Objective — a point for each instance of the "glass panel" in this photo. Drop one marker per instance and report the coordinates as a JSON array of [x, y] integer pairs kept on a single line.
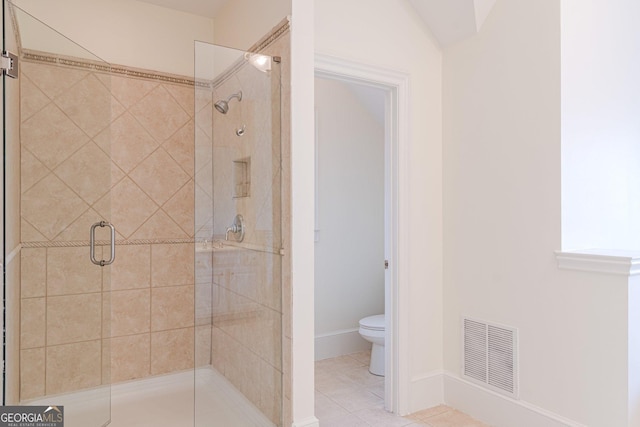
[[66, 167], [238, 238], [11, 218]]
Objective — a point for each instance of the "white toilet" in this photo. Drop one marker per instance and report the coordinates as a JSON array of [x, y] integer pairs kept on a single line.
[[372, 330]]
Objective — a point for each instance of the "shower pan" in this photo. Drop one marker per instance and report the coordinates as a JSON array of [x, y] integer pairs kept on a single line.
[[183, 324]]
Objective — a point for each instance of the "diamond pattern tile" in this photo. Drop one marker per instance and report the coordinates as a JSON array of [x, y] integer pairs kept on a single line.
[[130, 207], [32, 99], [29, 233], [87, 172], [32, 169], [159, 176], [129, 91], [204, 120], [159, 226], [181, 148], [52, 80], [84, 132], [180, 208], [159, 113], [88, 104], [130, 142], [203, 214], [183, 95], [203, 150], [51, 136], [79, 229], [50, 206]]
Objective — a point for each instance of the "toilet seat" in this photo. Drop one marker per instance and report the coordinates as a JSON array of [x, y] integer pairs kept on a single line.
[[373, 323]]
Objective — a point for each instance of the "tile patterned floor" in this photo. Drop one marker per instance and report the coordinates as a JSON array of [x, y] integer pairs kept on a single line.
[[347, 395]]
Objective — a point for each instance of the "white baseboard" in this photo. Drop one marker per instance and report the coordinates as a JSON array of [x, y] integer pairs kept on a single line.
[[339, 343], [426, 391], [496, 409], [309, 422]]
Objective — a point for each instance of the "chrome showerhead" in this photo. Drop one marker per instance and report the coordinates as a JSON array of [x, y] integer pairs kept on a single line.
[[223, 104]]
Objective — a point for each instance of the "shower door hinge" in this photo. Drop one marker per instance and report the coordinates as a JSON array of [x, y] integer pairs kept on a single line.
[[386, 264], [9, 64]]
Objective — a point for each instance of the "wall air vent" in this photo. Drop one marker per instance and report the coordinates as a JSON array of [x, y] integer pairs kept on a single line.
[[490, 356]]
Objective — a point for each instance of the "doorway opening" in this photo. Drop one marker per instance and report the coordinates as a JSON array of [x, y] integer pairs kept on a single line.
[[384, 93]]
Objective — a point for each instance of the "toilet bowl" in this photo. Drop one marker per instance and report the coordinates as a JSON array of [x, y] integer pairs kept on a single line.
[[372, 330]]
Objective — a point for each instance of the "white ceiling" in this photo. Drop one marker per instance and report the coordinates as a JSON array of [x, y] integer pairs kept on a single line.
[[448, 20], [453, 20], [207, 8]]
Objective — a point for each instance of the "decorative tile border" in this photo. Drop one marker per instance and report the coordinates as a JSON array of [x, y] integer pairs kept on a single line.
[[104, 67], [276, 32], [81, 243], [87, 64]]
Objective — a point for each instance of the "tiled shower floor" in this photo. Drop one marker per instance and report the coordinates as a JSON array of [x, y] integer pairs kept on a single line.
[[347, 395]]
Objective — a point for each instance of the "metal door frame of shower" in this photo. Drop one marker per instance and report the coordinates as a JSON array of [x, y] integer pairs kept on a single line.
[[2, 225], [396, 86], [11, 246]]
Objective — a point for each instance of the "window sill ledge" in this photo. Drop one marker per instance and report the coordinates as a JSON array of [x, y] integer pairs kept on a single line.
[[607, 261]]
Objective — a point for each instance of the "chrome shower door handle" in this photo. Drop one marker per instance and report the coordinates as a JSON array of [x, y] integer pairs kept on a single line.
[[92, 244]]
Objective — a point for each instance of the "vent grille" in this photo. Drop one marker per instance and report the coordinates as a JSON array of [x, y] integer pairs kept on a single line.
[[489, 356]]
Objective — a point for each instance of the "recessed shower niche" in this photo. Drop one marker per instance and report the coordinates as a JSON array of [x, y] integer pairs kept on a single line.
[[242, 178]]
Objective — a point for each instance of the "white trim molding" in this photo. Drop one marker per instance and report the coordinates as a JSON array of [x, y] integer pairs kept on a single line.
[[497, 409], [338, 343], [427, 391], [607, 261]]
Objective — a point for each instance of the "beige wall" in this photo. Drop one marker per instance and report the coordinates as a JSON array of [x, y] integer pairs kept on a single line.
[[124, 32], [241, 23]]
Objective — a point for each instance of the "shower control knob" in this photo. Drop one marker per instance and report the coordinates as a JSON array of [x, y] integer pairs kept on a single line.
[[237, 228]]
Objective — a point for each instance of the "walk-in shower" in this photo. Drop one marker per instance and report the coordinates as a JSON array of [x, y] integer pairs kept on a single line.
[[185, 327], [239, 225]]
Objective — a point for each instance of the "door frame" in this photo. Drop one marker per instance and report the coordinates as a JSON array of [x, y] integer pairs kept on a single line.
[[396, 86]]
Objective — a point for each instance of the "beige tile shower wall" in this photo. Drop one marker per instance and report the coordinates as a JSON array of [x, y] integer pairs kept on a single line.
[[246, 336], [250, 294], [78, 127]]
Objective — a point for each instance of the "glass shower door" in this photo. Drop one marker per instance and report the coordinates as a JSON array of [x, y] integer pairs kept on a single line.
[[238, 238], [58, 327]]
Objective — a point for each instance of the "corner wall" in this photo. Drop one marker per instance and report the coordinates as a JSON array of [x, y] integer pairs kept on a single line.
[[502, 210]]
